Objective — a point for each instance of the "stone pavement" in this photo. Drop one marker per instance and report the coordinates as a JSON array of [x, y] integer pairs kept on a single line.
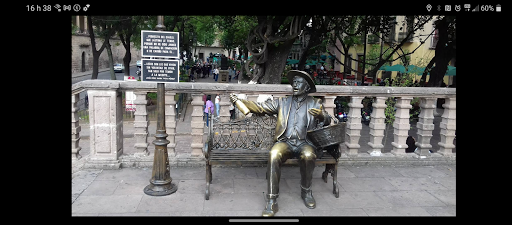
[[364, 191]]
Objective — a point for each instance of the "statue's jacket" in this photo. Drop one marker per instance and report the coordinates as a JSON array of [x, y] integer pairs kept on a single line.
[[282, 107]]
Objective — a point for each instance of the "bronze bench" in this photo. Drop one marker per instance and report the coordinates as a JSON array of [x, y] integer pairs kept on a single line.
[[247, 142]]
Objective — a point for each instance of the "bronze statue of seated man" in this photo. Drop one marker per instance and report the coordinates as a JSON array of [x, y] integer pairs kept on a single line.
[[296, 114]]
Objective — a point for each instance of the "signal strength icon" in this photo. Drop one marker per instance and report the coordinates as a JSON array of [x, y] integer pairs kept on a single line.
[[57, 6], [475, 9]]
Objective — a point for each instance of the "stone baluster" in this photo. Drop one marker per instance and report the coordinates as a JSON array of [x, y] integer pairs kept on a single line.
[[75, 128], [329, 105], [447, 126], [377, 126], [106, 132], [224, 108], [354, 126], [401, 125], [170, 122], [425, 126], [141, 124], [197, 125]]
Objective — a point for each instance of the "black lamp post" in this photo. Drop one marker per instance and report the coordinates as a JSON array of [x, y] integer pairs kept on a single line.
[[161, 181]]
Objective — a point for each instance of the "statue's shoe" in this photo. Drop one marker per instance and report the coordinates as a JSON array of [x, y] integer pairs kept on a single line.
[[307, 196], [271, 208]]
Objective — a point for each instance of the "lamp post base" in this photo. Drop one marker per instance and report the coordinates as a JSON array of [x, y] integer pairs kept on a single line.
[[160, 190]]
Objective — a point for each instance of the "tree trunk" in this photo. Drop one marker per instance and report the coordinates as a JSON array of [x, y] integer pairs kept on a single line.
[[443, 55], [96, 53], [313, 41], [95, 62], [110, 62], [276, 62], [427, 69], [127, 55], [126, 60]]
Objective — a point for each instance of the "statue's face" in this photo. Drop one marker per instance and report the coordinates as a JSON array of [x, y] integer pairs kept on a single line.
[[300, 85]]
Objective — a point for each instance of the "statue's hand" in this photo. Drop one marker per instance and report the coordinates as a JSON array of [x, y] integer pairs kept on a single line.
[[317, 113], [233, 97]]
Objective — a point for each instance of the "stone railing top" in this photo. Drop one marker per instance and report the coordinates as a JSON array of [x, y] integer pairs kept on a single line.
[[277, 89]]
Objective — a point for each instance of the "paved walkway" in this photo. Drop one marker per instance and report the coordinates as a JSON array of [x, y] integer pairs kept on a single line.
[[364, 191]]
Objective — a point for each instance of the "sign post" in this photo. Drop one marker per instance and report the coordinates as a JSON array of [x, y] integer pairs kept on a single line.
[[160, 44]]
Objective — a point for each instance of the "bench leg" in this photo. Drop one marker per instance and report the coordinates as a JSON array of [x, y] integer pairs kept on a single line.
[[208, 181], [335, 189], [328, 169]]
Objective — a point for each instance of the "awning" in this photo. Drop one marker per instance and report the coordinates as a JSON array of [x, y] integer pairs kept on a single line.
[[291, 61], [313, 62], [451, 71], [397, 67]]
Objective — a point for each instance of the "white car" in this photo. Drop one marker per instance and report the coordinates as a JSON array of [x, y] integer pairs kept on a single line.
[[139, 63], [118, 67]]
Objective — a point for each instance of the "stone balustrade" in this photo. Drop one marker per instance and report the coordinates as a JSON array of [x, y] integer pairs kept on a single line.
[[106, 125]]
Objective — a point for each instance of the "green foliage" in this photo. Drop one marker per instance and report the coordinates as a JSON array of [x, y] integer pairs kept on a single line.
[[404, 80], [204, 29], [233, 30], [152, 95]]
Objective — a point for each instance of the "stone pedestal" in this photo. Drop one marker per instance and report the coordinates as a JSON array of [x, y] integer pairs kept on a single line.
[[170, 122], [223, 76], [401, 125], [197, 125], [75, 129], [425, 126], [141, 124], [447, 128], [377, 126], [354, 125], [106, 132]]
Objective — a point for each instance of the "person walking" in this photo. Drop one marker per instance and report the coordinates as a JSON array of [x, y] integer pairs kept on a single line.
[[205, 71], [230, 71], [209, 69], [209, 108], [217, 105], [216, 74]]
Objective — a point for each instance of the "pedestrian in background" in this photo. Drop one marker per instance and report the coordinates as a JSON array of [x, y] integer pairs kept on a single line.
[[216, 74], [217, 105], [209, 108], [230, 71], [209, 69]]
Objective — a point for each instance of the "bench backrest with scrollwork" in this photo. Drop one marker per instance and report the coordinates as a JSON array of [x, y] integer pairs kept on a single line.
[[254, 133]]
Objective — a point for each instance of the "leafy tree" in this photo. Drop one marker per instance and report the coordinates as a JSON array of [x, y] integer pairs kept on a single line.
[[444, 51], [128, 26], [103, 29], [270, 43], [233, 31], [318, 31], [381, 27]]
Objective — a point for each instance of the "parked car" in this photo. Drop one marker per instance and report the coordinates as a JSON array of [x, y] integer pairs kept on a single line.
[[139, 63], [118, 67]]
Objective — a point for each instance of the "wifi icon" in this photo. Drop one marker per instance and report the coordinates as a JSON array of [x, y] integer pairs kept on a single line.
[[57, 6]]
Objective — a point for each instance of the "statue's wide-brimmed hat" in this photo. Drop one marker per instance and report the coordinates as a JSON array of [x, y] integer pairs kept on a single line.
[[292, 73]]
